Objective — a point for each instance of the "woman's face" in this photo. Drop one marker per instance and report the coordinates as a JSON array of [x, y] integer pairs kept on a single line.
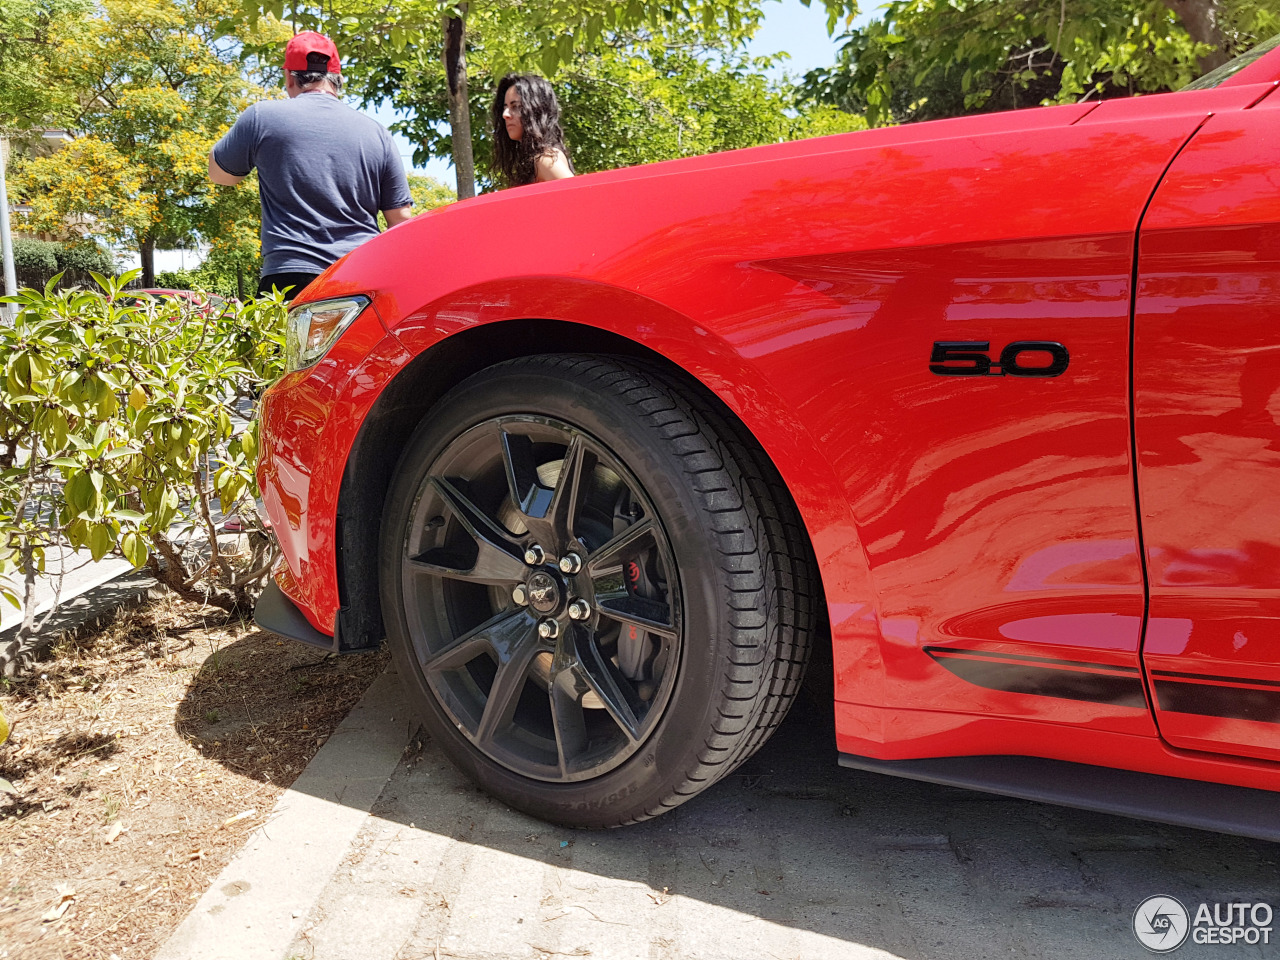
[[511, 113]]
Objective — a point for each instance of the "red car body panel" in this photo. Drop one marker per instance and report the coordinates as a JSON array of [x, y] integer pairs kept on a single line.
[[1207, 391], [979, 539]]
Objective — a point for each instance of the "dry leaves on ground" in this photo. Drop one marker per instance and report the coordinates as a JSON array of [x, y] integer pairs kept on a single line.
[[143, 754]]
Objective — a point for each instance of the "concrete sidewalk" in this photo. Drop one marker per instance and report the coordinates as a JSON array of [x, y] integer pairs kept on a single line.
[[383, 853], [80, 578], [81, 590], [76, 589]]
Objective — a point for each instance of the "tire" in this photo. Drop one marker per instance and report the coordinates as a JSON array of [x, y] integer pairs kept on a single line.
[[696, 587]]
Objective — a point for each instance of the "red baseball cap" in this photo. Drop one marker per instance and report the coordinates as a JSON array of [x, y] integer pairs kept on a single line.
[[312, 51]]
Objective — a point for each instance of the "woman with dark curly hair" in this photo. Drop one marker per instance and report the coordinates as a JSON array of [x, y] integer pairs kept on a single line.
[[528, 144]]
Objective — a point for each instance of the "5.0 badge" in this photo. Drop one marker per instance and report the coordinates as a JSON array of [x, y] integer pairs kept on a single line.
[[968, 358]]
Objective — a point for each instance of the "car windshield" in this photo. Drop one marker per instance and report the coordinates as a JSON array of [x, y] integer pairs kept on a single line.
[[1219, 74]]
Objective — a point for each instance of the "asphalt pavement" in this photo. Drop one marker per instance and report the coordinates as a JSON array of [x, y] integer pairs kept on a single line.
[[383, 851]]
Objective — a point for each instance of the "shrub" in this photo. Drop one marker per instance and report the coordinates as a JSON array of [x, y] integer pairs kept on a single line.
[[120, 426], [36, 262], [179, 280], [211, 276], [78, 262]]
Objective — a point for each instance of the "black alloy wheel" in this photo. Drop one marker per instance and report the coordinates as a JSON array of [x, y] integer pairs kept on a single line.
[[542, 601], [596, 608]]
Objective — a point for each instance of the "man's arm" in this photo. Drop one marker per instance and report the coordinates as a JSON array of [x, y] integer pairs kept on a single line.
[[398, 216], [235, 151], [218, 175]]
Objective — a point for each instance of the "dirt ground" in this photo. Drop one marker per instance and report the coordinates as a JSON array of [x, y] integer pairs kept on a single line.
[[143, 753]]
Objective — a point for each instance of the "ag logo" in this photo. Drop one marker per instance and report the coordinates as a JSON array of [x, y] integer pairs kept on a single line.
[[1161, 924]]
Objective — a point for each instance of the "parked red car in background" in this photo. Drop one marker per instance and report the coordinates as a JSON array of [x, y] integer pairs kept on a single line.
[[205, 303], [987, 406]]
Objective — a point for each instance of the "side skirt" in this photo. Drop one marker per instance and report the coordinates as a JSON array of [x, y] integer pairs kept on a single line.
[[1217, 807]]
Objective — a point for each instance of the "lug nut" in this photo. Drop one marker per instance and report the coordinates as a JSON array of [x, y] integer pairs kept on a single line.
[[519, 594], [548, 629], [533, 555], [570, 563], [579, 610]]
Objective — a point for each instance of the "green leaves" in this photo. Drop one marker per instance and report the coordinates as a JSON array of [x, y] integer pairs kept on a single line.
[[925, 59], [129, 421], [101, 540], [134, 548], [83, 496]]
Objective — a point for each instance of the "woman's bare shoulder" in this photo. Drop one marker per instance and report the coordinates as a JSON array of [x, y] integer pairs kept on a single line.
[[553, 165]]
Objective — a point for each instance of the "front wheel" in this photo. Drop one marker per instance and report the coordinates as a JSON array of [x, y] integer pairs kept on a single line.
[[599, 598]]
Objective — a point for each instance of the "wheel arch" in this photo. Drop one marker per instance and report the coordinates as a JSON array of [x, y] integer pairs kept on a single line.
[[408, 397]]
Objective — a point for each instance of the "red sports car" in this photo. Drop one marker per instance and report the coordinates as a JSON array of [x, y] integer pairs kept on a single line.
[[981, 414]]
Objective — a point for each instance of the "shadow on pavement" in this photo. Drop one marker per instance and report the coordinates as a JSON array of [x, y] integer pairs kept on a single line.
[[791, 856], [262, 706], [860, 860]]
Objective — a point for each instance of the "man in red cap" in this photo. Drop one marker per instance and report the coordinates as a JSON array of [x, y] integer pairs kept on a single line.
[[324, 170]]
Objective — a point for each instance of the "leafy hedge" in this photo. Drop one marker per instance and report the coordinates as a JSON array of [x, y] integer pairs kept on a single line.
[[122, 424], [211, 277], [36, 262]]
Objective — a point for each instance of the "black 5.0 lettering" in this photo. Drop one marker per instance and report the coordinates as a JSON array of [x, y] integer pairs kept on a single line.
[[968, 358]]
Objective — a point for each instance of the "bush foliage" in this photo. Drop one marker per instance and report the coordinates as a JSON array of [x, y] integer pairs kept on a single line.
[[215, 275], [122, 424], [36, 262]]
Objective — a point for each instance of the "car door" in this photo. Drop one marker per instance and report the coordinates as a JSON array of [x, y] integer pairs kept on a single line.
[[1207, 427]]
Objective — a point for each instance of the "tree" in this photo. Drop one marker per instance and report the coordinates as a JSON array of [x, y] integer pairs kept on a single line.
[[428, 193], [156, 87], [415, 35], [36, 39], [925, 59], [636, 96], [653, 100], [231, 221]]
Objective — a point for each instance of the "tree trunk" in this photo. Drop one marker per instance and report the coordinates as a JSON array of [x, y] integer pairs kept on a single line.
[[455, 69], [1200, 19], [147, 253]]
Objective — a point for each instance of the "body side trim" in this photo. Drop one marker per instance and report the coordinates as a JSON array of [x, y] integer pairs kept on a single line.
[[1241, 811]]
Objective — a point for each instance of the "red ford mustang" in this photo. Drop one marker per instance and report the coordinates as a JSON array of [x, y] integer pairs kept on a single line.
[[982, 413]]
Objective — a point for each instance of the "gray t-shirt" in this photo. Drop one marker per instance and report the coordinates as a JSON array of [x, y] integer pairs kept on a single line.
[[324, 172]]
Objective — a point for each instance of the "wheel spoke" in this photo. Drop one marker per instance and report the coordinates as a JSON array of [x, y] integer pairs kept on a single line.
[[599, 675], [628, 543], [529, 496], [569, 719], [498, 557], [462, 650], [549, 513], [651, 615], [567, 497], [515, 642]]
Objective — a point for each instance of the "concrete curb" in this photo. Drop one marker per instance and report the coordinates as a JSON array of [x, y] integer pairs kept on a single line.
[[258, 904], [84, 603], [90, 591]]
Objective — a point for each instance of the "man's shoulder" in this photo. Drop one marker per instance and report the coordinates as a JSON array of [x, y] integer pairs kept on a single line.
[[316, 108], [316, 102]]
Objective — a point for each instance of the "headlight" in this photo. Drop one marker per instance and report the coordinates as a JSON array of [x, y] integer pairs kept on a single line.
[[313, 327]]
